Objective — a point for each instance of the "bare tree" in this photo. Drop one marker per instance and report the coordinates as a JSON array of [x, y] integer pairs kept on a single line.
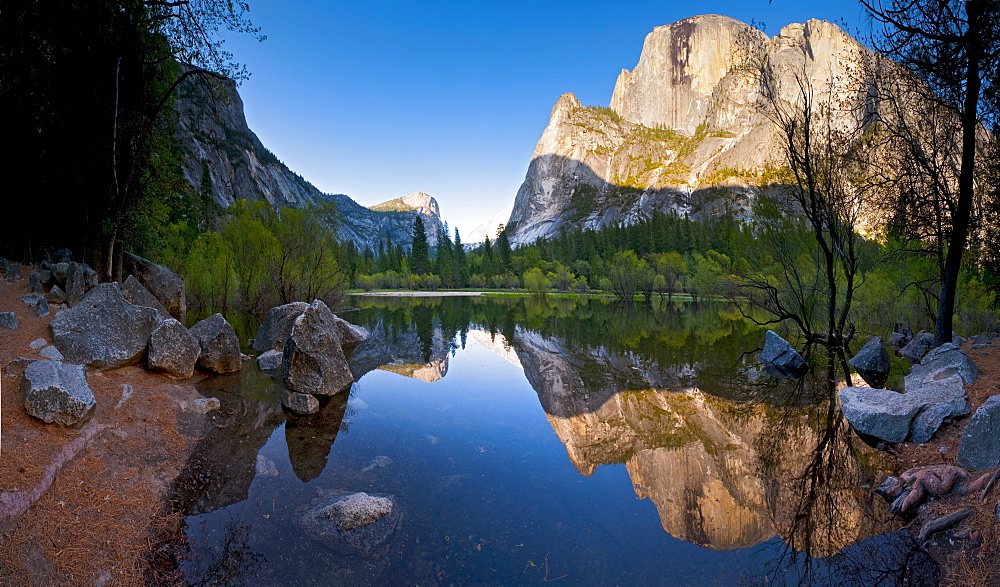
[[953, 47]]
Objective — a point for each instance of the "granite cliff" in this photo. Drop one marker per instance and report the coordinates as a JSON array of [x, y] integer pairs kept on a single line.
[[684, 132], [212, 128]]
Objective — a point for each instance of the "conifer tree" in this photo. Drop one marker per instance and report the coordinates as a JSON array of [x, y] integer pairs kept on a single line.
[[419, 251]]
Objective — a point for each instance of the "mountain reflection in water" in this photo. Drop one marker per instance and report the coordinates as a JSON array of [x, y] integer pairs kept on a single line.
[[730, 458]]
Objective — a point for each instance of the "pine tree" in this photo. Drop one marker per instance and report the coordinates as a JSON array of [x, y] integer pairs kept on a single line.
[[419, 252]]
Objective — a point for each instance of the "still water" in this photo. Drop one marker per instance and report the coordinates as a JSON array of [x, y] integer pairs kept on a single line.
[[537, 441]]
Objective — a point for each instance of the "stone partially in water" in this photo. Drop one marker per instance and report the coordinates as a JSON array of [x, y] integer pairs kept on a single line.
[[872, 362], [300, 403], [353, 523], [781, 356], [265, 467]]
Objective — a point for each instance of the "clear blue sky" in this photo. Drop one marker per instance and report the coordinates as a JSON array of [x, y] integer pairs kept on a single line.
[[376, 99]]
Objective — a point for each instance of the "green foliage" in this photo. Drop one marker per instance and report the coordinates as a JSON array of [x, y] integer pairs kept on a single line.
[[536, 282]]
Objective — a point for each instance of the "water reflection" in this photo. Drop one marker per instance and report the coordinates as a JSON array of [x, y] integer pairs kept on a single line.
[[730, 459]]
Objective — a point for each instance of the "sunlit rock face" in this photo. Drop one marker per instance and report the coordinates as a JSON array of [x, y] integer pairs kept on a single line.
[[722, 475], [685, 132], [212, 127]]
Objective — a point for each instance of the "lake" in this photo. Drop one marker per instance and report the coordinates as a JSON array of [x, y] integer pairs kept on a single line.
[[531, 440]]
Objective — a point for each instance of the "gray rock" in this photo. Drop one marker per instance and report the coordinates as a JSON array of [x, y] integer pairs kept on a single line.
[[13, 270], [35, 284], [60, 271], [126, 394], [135, 293], [8, 320], [354, 523], [273, 331], [31, 299], [41, 308], [103, 330], [270, 361], [779, 354], [51, 352], [202, 405], [38, 343], [917, 347], [56, 295], [881, 413], [57, 393], [163, 283], [314, 360], [980, 445], [942, 361], [173, 350], [18, 365], [44, 275], [80, 278], [351, 335], [872, 362], [220, 349], [300, 403], [915, 415]]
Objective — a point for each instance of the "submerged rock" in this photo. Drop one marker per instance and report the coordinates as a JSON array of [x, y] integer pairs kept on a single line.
[[55, 392], [300, 403], [353, 523]]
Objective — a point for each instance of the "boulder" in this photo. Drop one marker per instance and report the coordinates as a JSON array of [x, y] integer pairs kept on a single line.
[[353, 523], [104, 330], [270, 361], [8, 320], [80, 279], [314, 360], [57, 393], [163, 283], [941, 362], [13, 270], [980, 445], [56, 295], [915, 415], [59, 273], [220, 349], [872, 362], [31, 299], [300, 403], [882, 413], [351, 335], [35, 284], [781, 356], [173, 350], [917, 347], [41, 308], [273, 331], [135, 293]]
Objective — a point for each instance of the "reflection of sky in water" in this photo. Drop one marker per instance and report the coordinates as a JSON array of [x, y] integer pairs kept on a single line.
[[487, 494], [484, 486]]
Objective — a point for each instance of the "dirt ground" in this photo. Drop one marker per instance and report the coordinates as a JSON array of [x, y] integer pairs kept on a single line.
[[971, 554], [104, 515]]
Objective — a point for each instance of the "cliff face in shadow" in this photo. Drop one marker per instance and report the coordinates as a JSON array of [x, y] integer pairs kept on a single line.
[[212, 128], [722, 474]]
